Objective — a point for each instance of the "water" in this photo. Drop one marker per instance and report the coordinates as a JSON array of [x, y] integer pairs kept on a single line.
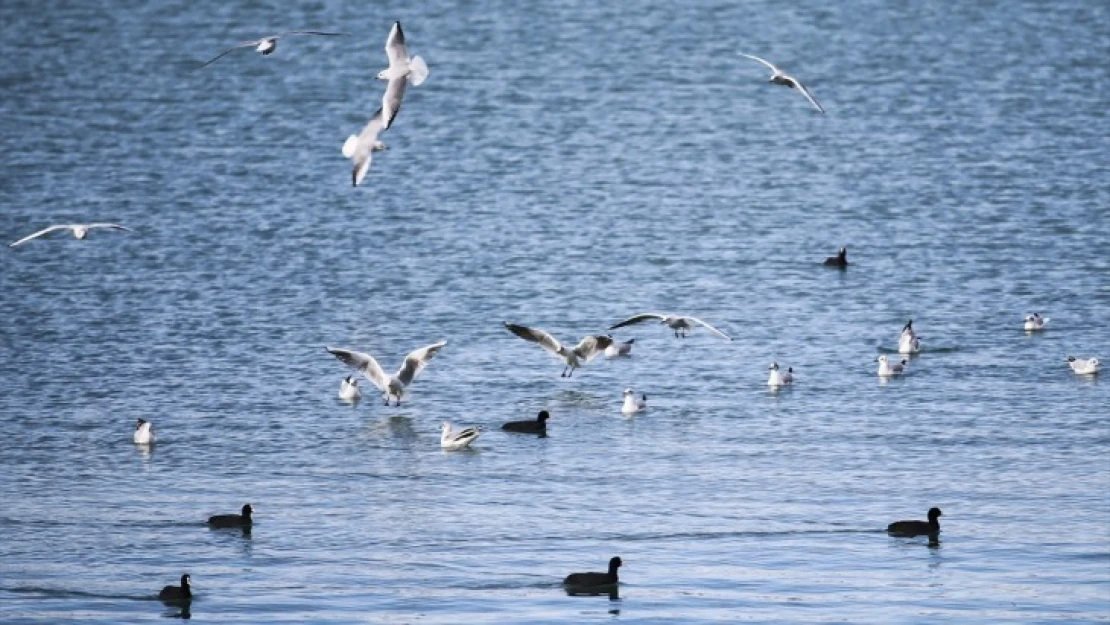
[[566, 165]]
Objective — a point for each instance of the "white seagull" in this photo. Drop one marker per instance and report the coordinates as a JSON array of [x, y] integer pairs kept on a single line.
[[632, 404], [886, 369], [358, 147], [453, 439], [391, 386], [779, 78], [144, 432], [1035, 322], [777, 379], [266, 45], [678, 323], [584, 352], [402, 69], [909, 342], [1083, 366], [80, 231], [349, 390], [619, 350]]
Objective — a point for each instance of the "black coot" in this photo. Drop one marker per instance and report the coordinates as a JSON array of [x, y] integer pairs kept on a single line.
[[233, 520], [532, 426]]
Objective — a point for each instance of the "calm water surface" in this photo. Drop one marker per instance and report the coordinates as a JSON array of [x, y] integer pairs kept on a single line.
[[567, 164]]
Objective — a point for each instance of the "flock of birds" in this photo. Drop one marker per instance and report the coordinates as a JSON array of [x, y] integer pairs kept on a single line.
[[404, 70]]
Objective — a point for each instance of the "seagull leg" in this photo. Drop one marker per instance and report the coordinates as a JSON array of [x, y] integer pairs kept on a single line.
[[564, 373]]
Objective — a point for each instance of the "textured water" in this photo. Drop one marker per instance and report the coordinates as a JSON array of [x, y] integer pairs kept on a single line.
[[566, 164]]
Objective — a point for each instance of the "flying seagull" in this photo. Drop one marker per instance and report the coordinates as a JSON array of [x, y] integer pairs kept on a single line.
[[267, 45], [581, 354], [358, 147], [779, 78], [678, 323], [402, 69], [391, 386], [80, 231]]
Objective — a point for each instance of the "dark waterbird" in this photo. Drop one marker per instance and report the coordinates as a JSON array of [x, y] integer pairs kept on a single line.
[[593, 581], [909, 529], [233, 520], [840, 260], [177, 594], [531, 426]]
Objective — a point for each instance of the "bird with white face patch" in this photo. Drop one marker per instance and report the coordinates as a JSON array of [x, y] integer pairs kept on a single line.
[[80, 231], [392, 386], [1083, 366], [777, 378], [266, 45], [588, 348], [633, 404], [1035, 322], [402, 70], [349, 390], [887, 369], [144, 432]]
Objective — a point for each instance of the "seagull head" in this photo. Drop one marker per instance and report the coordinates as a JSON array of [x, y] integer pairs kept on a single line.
[[627, 391], [383, 75], [774, 366]]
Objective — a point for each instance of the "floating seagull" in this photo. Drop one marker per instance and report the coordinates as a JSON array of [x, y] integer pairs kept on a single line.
[[402, 69], [390, 385], [886, 369], [909, 529], [677, 323], [777, 379], [779, 78], [267, 45], [1083, 366], [584, 352], [359, 147], [80, 231], [349, 390], [619, 350], [909, 342], [632, 405], [144, 432], [452, 439], [840, 260], [1035, 322]]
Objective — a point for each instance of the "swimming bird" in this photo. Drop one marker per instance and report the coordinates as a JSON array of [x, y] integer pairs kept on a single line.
[[233, 520], [583, 353], [779, 78], [680, 324], [619, 350], [359, 147], [886, 369], [80, 231], [1083, 366], [144, 432], [531, 426], [266, 45], [452, 439], [909, 342], [1035, 322], [779, 379], [402, 69], [909, 529], [840, 260], [349, 390], [177, 594], [391, 386], [595, 580], [632, 404]]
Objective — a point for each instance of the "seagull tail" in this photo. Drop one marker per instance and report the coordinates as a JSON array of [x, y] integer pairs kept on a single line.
[[418, 71], [350, 145]]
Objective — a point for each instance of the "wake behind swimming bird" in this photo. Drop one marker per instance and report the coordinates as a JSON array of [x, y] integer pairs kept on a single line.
[[359, 147], [80, 231], [402, 70], [586, 350], [680, 324], [392, 386], [266, 45], [780, 78]]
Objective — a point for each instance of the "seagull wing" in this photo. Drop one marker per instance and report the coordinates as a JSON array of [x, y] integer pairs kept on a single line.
[[109, 226], [637, 319], [395, 46], [544, 339], [364, 364], [40, 233], [391, 100], [245, 44], [591, 346], [711, 328], [765, 62], [416, 361], [802, 88]]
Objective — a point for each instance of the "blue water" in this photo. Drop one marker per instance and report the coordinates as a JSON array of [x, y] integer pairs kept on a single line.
[[567, 164]]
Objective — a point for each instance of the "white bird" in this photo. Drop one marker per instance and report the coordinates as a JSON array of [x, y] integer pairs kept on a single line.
[[266, 45], [144, 432], [584, 352], [1035, 322], [777, 379], [402, 69], [779, 78], [618, 350], [886, 369], [391, 386], [678, 323], [633, 404], [349, 390], [909, 342], [80, 231], [1083, 366], [452, 439], [358, 147]]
